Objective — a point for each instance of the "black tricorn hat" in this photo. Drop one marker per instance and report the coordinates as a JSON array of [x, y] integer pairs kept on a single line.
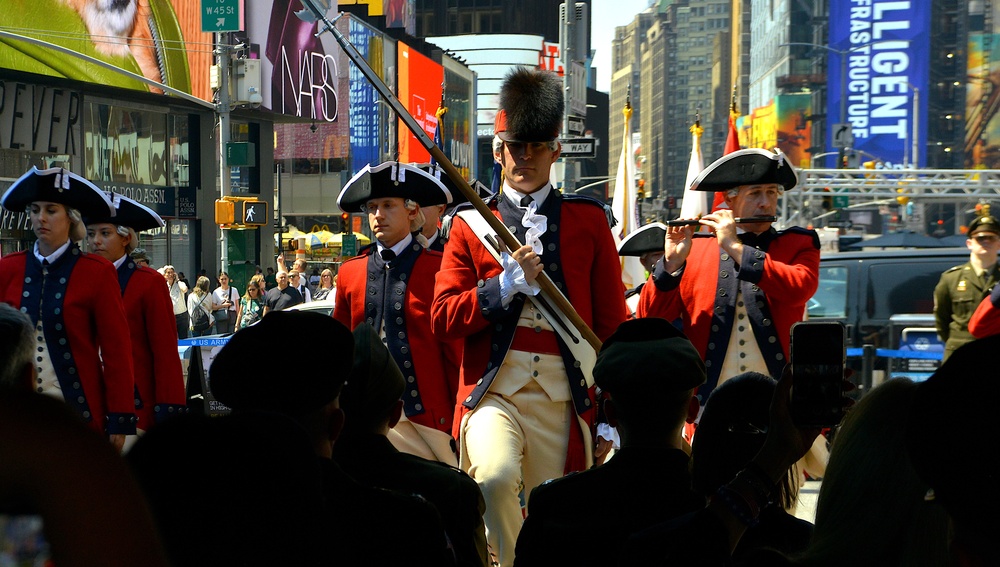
[[57, 185], [438, 173], [647, 238], [393, 179], [128, 213], [752, 166], [243, 377], [531, 106]]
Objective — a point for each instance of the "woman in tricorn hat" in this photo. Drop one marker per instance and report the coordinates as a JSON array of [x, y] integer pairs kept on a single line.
[[159, 380], [83, 350]]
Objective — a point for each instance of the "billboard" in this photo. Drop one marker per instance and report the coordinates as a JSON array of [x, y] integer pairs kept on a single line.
[[419, 91], [459, 122], [159, 41], [365, 116], [883, 49], [982, 124]]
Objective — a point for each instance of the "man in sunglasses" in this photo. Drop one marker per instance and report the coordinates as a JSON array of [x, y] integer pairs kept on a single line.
[[962, 288]]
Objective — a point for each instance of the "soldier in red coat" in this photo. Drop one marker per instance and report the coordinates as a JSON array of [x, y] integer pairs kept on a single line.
[[525, 401], [391, 288], [84, 354], [737, 290], [159, 380]]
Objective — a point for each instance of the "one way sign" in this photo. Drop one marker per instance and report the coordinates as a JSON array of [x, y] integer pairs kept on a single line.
[[579, 148]]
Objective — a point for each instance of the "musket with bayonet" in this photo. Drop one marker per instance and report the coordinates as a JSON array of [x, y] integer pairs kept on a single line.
[[509, 240]]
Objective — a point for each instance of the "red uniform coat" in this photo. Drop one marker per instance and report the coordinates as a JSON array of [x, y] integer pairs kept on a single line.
[[985, 321], [429, 364], [782, 275], [159, 380], [86, 333], [467, 294]]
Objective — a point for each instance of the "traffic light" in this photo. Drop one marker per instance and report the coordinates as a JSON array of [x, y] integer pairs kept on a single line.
[[827, 200], [345, 223], [640, 192]]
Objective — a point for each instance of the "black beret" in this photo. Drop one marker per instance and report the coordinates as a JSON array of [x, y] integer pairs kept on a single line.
[[986, 223], [531, 106], [392, 179], [752, 166], [57, 185], [647, 238], [375, 382], [952, 428], [128, 213], [647, 357], [248, 375]]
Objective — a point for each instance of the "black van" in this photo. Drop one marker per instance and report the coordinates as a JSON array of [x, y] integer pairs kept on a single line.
[[864, 290], [885, 298]]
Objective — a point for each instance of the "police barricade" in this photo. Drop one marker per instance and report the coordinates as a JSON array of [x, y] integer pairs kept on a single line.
[[198, 354], [904, 362]]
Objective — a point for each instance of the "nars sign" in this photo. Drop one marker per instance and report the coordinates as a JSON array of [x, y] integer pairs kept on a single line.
[[36, 118]]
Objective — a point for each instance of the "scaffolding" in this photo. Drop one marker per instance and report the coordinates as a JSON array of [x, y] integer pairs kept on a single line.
[[872, 187]]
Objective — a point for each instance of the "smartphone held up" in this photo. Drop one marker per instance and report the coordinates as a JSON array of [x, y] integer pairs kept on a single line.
[[818, 358]]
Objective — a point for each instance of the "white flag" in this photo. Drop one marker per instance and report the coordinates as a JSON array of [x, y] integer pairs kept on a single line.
[[695, 202], [623, 206]]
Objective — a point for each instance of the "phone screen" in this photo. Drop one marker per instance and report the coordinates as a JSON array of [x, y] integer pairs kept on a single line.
[[818, 358]]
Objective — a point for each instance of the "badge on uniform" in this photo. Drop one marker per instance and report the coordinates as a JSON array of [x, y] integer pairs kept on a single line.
[[961, 285]]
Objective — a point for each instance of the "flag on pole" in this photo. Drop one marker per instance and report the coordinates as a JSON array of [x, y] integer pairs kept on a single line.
[[732, 144], [624, 207], [438, 135], [695, 202]]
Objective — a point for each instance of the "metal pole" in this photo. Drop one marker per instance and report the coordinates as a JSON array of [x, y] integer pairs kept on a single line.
[[843, 100], [916, 127], [224, 130], [508, 239], [569, 172]]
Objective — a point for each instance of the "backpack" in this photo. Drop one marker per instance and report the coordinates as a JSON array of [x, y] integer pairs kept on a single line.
[[200, 320]]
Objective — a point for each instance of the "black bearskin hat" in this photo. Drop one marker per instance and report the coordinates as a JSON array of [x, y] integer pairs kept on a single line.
[[531, 106]]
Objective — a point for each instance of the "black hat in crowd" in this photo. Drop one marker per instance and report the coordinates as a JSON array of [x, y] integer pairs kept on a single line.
[[752, 166], [951, 431], [438, 173], [57, 185], [375, 382], [393, 179], [644, 358], [647, 238], [985, 223], [128, 213], [531, 106], [247, 376]]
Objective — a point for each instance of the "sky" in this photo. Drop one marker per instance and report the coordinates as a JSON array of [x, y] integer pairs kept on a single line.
[[605, 16]]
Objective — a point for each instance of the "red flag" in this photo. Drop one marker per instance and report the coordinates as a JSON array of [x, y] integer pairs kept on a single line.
[[732, 144]]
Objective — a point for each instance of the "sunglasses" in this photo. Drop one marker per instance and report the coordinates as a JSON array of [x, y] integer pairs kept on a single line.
[[986, 238], [253, 289]]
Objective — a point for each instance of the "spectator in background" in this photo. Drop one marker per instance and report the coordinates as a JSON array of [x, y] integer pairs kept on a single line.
[[225, 298], [962, 288], [281, 297], [178, 292], [141, 257], [314, 278], [271, 279], [297, 280], [251, 307], [326, 286], [184, 280], [730, 432], [200, 300]]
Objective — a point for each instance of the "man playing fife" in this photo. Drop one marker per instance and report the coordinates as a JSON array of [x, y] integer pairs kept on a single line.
[[739, 288], [523, 395], [391, 289]]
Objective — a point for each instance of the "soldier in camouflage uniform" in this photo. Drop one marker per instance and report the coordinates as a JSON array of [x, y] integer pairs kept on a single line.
[[962, 288]]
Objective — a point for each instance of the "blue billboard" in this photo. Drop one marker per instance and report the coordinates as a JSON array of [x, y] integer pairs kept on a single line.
[[880, 51], [364, 114]]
